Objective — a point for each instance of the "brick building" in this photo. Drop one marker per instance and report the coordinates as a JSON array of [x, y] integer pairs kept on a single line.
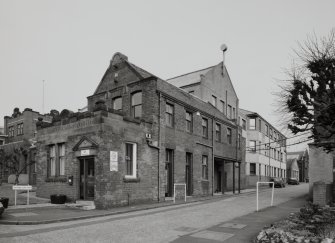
[[302, 158], [2, 136], [265, 149], [18, 129], [139, 137]]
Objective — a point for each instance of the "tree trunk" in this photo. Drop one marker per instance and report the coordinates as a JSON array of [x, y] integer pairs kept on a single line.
[[17, 179]]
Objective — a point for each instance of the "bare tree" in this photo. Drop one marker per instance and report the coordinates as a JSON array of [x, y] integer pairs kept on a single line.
[[308, 96]]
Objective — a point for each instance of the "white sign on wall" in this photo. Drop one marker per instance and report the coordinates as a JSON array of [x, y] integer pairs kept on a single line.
[[84, 152], [113, 161]]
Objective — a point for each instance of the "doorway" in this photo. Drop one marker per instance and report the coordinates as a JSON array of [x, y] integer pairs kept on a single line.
[[169, 173], [87, 178]]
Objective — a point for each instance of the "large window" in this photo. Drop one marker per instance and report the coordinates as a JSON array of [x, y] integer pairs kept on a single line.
[[218, 132], [252, 169], [131, 160], [57, 160], [117, 103], [229, 135], [252, 146], [169, 113], [204, 127], [189, 122], [252, 123], [20, 129], [205, 167], [136, 104]]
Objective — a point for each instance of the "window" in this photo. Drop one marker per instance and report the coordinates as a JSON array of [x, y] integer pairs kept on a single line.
[[244, 124], [205, 167], [239, 141], [252, 169], [222, 107], [234, 113], [229, 135], [20, 129], [57, 160], [11, 131], [281, 157], [61, 154], [131, 160], [218, 132], [214, 100], [271, 133], [260, 125], [229, 112], [252, 123], [136, 104], [53, 160], [252, 146], [117, 103], [204, 127], [189, 122], [169, 114], [266, 130]]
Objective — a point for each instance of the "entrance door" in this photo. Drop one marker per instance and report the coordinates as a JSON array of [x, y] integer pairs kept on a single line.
[[219, 182], [169, 173], [188, 174], [87, 178]]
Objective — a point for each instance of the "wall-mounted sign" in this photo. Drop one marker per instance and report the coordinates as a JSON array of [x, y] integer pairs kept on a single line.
[[113, 161], [84, 152]]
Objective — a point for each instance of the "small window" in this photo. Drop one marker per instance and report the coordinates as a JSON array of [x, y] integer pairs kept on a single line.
[[266, 130], [229, 135], [223, 107], [20, 129], [234, 113], [11, 131], [205, 167], [131, 160], [214, 101], [189, 122], [117, 103], [136, 104], [218, 132], [169, 113], [252, 123], [252, 169], [204, 127], [260, 125], [239, 141], [229, 112], [271, 132], [252, 146]]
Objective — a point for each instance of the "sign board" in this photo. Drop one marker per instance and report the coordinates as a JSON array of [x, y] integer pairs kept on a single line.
[[84, 152], [113, 161], [28, 187]]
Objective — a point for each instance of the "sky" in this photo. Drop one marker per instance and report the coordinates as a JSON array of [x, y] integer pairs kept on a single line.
[[69, 44]]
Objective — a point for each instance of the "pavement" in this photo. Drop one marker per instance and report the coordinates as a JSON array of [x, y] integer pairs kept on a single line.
[[241, 229]]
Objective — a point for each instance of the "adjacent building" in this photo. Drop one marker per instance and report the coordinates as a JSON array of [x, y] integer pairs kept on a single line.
[[20, 128], [2, 136], [265, 148], [139, 138], [302, 158]]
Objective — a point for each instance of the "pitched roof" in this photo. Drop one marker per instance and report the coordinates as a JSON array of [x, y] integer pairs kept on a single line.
[[188, 78]]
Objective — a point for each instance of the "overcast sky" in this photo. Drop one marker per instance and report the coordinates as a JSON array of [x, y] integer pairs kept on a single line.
[[69, 45]]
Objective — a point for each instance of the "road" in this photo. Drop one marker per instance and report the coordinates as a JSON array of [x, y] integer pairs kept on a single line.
[[155, 225]]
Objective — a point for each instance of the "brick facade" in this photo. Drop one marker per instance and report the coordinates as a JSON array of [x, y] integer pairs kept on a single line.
[[111, 129]]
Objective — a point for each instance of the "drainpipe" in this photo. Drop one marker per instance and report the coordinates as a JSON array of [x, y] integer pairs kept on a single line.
[[213, 156]]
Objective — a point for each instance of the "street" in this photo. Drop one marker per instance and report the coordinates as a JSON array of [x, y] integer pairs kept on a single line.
[[155, 225]]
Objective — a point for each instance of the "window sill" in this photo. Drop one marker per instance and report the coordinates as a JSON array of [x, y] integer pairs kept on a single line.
[[56, 179], [131, 119], [131, 179]]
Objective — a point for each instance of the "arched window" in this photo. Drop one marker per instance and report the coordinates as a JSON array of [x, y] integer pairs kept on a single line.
[[136, 104], [117, 103]]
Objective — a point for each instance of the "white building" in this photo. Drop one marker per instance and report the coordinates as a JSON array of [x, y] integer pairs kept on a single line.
[[265, 148]]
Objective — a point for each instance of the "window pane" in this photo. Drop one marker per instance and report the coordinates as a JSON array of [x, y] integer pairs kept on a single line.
[[62, 166], [129, 159], [52, 166], [136, 98], [137, 111], [252, 123]]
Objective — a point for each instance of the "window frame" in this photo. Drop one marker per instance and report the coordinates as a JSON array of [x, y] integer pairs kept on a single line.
[[218, 132], [252, 148], [56, 160], [252, 172], [169, 117], [189, 122], [133, 161], [134, 107], [204, 124], [229, 135], [250, 126], [113, 102]]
